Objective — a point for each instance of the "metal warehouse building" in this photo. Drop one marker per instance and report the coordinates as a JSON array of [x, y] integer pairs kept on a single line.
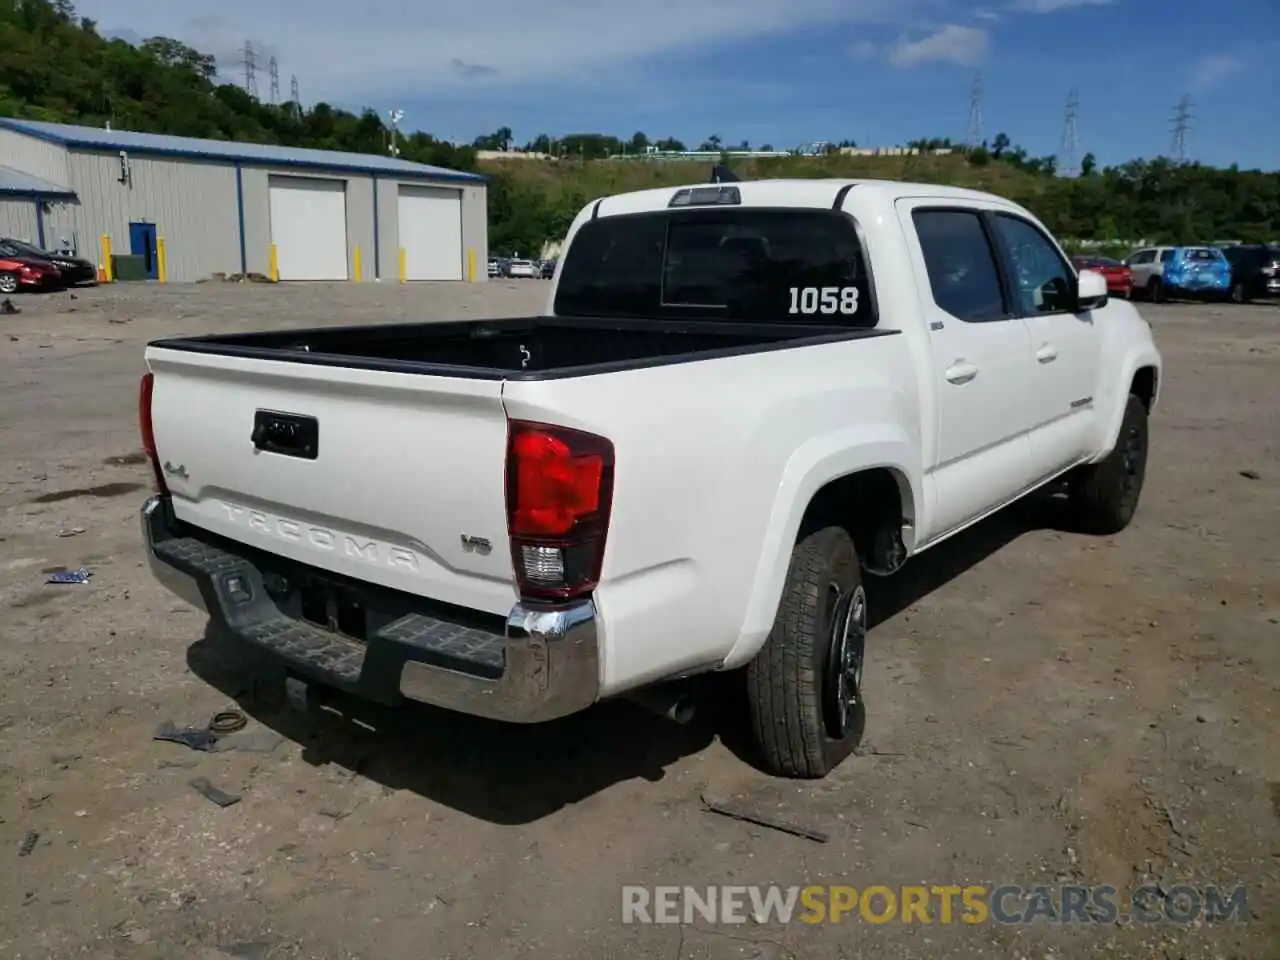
[[192, 208]]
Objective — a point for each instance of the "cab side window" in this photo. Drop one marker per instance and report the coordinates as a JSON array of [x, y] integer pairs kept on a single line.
[[1041, 278], [961, 264], [1166, 256]]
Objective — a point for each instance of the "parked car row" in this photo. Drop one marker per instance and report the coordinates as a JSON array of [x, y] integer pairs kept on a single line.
[[1237, 272], [517, 268], [27, 267]]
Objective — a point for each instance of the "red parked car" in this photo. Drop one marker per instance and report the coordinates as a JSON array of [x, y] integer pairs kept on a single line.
[[1119, 277], [18, 273]]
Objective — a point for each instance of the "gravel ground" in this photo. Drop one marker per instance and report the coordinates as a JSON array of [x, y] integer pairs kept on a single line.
[[1045, 708]]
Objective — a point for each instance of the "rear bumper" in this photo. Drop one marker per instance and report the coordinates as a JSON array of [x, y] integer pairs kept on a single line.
[[44, 282], [1210, 289], [543, 663]]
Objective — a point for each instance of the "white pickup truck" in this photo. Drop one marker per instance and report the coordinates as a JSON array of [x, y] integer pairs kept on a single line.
[[743, 400]]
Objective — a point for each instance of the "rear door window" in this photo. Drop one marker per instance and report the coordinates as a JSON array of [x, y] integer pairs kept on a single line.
[[961, 264], [744, 265]]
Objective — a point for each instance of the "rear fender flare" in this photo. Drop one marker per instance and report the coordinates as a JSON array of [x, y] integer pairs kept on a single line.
[[811, 467]]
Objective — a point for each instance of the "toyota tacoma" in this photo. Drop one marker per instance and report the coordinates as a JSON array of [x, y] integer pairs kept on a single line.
[[742, 404]]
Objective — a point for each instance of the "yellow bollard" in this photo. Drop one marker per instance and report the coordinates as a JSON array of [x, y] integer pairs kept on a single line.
[[404, 270], [162, 268], [471, 264], [273, 260], [357, 266], [106, 259]]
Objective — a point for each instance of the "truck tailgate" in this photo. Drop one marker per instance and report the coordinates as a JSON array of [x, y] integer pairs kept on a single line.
[[403, 485]]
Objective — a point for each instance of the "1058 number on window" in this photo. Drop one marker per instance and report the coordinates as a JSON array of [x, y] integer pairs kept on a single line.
[[825, 300]]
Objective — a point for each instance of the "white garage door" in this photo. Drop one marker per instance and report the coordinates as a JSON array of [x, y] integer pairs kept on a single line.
[[431, 233], [309, 228]]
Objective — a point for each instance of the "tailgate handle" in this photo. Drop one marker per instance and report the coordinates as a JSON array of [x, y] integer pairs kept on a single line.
[[287, 434]]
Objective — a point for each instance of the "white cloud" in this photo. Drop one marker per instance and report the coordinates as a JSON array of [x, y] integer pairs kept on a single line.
[[384, 48], [966, 46], [1209, 71], [986, 13], [863, 50], [1053, 6]]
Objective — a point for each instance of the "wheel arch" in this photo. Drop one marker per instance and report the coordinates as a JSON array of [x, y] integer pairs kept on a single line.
[[1142, 379], [849, 485]]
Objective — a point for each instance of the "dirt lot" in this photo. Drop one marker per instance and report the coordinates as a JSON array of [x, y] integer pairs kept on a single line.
[[1045, 708]]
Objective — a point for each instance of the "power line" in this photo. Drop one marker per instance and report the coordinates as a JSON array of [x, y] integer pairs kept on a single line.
[[1181, 127], [274, 67], [973, 136], [250, 70], [1069, 156]]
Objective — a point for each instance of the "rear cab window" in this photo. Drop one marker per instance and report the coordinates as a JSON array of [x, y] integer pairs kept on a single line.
[[753, 265], [1202, 255]]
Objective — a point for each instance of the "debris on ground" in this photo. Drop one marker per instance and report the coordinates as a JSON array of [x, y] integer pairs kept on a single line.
[[249, 277], [338, 813], [70, 532], [126, 459], [202, 786], [80, 575], [197, 738], [28, 843], [222, 723], [1251, 474], [748, 816], [227, 721], [7, 308]]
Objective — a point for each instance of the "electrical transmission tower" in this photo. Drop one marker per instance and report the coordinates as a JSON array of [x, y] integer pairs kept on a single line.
[[294, 96], [1069, 156], [1181, 127], [274, 68], [973, 136], [250, 69]]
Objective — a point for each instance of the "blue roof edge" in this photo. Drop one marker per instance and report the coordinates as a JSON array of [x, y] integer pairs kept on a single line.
[[16, 183], [427, 172]]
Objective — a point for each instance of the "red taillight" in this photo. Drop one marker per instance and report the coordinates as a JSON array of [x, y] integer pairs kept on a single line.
[[559, 492], [145, 391]]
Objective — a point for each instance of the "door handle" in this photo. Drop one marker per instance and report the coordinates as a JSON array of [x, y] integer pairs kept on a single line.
[[961, 372], [1047, 354]]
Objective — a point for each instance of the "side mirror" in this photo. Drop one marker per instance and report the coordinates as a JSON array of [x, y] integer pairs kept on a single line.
[[1091, 290]]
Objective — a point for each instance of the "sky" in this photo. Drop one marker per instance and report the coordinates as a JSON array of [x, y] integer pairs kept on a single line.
[[781, 72]]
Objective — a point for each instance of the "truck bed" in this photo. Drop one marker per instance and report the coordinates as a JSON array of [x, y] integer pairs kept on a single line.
[[522, 348]]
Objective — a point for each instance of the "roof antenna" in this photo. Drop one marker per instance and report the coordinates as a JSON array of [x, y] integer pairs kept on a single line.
[[722, 174]]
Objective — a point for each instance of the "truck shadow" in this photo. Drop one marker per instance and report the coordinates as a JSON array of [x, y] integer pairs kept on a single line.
[[514, 774], [503, 773]]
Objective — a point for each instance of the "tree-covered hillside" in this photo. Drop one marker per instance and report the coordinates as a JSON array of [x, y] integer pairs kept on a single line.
[[56, 66]]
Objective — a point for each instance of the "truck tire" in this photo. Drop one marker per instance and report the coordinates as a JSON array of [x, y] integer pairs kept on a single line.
[[1155, 290], [1105, 495], [804, 687]]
